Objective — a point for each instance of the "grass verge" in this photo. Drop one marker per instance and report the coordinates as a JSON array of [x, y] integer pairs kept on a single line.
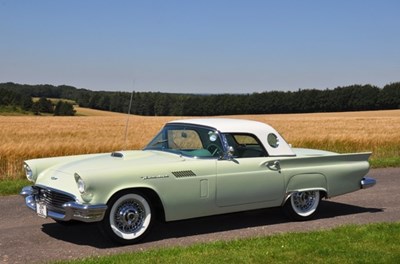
[[9, 187], [385, 162], [372, 243]]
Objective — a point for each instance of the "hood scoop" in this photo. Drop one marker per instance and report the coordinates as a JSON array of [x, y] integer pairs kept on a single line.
[[117, 155]]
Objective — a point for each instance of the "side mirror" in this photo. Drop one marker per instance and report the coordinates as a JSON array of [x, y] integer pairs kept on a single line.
[[230, 153]]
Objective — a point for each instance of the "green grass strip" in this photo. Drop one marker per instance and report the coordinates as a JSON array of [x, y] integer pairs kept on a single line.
[[385, 162], [10, 187], [373, 243]]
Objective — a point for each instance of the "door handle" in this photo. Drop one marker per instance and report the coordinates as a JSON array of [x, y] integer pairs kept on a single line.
[[274, 165]]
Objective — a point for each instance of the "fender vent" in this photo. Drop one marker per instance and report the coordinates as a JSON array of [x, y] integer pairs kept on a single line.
[[181, 174]]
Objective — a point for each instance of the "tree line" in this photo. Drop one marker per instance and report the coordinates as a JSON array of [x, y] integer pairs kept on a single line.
[[347, 98], [20, 100]]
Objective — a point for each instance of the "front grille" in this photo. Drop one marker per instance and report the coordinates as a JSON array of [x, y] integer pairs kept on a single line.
[[53, 199]]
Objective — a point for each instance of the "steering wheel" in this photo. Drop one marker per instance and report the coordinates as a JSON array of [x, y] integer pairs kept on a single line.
[[214, 149]]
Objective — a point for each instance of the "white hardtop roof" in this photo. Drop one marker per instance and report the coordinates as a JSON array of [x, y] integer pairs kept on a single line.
[[226, 125], [230, 125]]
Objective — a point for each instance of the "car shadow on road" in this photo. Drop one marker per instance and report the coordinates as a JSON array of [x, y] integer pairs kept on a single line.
[[88, 234]]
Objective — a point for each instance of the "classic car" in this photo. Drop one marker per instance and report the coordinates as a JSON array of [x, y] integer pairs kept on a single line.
[[192, 168]]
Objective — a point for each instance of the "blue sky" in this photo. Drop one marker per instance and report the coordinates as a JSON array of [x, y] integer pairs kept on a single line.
[[201, 46]]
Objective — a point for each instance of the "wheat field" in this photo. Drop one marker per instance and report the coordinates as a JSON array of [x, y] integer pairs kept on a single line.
[[27, 137]]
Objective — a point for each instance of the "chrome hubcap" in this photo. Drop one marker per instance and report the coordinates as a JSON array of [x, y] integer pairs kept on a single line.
[[129, 216], [304, 201]]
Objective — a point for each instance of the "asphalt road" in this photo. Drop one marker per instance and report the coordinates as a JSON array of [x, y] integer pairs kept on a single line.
[[27, 238]]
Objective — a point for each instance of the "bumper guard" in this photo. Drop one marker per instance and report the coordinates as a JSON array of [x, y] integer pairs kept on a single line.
[[73, 210], [367, 182]]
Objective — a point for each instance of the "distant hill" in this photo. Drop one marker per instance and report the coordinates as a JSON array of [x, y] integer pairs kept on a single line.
[[340, 99]]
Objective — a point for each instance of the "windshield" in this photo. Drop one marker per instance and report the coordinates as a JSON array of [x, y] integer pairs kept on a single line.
[[188, 140]]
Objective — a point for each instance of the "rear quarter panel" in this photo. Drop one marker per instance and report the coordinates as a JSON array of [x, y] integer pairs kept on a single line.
[[337, 173]]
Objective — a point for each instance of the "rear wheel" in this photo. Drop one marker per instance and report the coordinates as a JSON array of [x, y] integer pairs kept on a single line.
[[128, 218], [302, 205]]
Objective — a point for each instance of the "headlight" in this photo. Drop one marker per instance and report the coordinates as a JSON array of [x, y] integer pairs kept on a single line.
[[28, 172], [82, 188], [80, 183]]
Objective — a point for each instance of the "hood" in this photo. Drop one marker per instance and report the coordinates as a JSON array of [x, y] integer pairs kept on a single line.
[[100, 169], [116, 160]]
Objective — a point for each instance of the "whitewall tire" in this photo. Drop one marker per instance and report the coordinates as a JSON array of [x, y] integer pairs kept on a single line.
[[128, 218], [302, 205]]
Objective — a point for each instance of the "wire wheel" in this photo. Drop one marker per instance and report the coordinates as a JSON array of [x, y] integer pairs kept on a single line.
[[128, 219], [303, 205]]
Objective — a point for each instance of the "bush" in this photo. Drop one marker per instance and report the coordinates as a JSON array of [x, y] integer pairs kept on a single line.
[[64, 109]]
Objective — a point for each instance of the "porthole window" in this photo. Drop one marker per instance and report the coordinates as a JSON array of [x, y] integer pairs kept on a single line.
[[273, 140]]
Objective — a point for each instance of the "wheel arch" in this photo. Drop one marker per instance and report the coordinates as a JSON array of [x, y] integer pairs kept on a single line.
[[306, 182], [323, 193], [148, 193]]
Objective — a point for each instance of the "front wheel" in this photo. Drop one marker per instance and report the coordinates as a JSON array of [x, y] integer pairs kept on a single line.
[[302, 205], [128, 218]]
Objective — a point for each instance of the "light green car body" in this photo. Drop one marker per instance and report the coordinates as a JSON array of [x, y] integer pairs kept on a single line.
[[188, 186]]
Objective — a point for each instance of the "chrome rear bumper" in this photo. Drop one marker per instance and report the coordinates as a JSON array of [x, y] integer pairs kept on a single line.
[[367, 182], [72, 210]]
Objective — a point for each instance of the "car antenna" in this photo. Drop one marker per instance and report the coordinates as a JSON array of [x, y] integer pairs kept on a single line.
[[129, 114]]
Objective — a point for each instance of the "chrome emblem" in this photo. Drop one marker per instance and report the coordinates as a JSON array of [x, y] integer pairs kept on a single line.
[[155, 177]]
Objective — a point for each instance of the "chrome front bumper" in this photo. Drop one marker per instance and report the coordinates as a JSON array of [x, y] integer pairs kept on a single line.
[[367, 182], [72, 210]]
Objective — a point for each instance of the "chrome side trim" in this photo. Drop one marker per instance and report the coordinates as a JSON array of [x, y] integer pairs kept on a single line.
[[367, 182], [73, 210]]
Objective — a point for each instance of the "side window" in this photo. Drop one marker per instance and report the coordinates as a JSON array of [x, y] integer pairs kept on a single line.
[[246, 146]]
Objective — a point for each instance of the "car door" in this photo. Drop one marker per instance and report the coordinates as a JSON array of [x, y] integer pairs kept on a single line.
[[250, 177]]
